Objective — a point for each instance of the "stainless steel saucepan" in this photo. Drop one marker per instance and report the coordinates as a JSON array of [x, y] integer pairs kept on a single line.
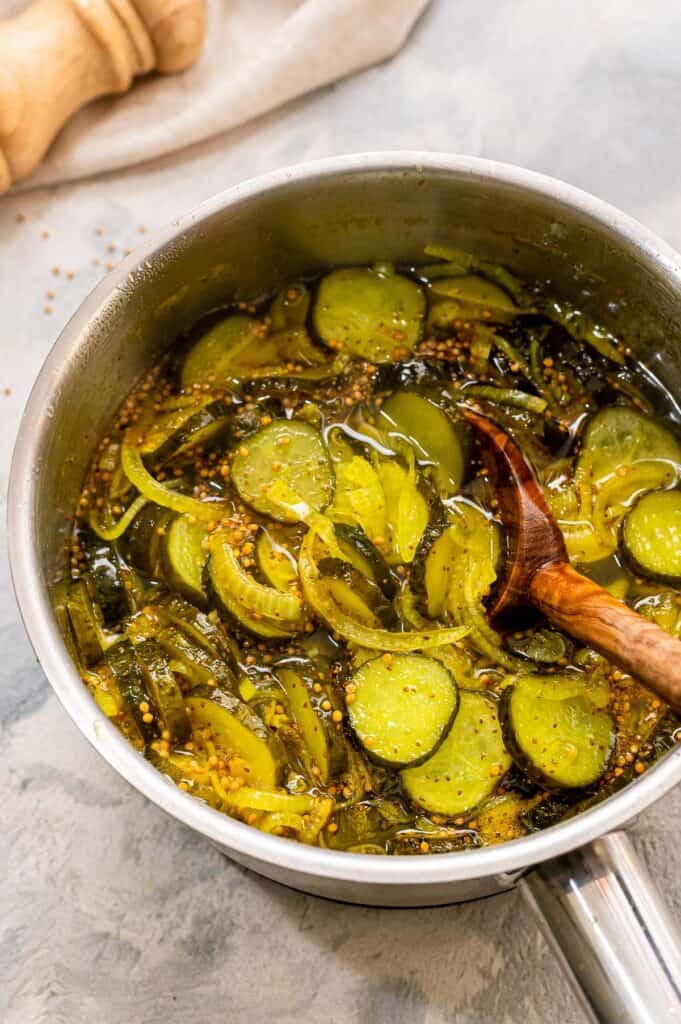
[[606, 921]]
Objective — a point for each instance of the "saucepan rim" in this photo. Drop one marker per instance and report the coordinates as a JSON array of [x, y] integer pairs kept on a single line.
[[505, 860]]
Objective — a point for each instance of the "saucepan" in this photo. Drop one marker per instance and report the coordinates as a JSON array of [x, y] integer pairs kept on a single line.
[[593, 895]]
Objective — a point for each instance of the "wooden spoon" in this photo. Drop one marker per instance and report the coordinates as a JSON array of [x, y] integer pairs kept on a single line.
[[537, 573]]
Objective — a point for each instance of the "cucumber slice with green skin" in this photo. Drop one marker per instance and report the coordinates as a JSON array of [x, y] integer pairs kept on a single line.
[[369, 314], [476, 290], [241, 711], [321, 749], [366, 557], [199, 665], [476, 298], [357, 593], [216, 723], [172, 433], [468, 766], [651, 536], [556, 733], [201, 628], [214, 357], [403, 707], [104, 568], [143, 541], [122, 662], [85, 623], [430, 432], [185, 558], [622, 436], [162, 686], [287, 450], [543, 646], [276, 564]]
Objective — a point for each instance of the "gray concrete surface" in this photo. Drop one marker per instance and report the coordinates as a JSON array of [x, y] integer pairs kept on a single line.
[[109, 911]]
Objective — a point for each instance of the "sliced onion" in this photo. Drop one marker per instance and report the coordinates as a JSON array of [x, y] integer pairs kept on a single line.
[[320, 600]]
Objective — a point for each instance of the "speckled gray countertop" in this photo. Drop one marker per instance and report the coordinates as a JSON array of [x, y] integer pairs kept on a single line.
[[110, 912]]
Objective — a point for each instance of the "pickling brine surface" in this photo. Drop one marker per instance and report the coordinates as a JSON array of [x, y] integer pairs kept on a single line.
[[284, 545]]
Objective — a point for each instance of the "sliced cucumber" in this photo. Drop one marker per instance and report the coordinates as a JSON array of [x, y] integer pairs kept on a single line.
[[319, 746], [185, 558], [204, 629], [214, 357], [621, 436], [558, 731], [122, 662], [651, 536], [469, 764], [172, 433], [213, 722], [162, 686], [543, 646], [287, 450], [403, 707], [276, 563], [200, 665], [85, 623], [468, 297], [144, 541], [365, 557], [351, 602], [106, 577], [368, 313], [430, 432]]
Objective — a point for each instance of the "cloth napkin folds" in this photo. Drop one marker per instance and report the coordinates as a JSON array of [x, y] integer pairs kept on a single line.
[[258, 54]]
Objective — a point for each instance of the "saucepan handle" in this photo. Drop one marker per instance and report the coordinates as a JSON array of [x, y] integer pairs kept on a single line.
[[616, 940]]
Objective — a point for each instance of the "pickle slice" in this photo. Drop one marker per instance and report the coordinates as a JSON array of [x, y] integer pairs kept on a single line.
[[468, 766], [403, 707], [185, 558], [287, 450], [651, 536], [369, 313], [557, 730], [430, 432]]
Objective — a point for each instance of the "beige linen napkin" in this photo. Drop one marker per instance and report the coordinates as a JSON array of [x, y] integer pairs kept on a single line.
[[258, 54]]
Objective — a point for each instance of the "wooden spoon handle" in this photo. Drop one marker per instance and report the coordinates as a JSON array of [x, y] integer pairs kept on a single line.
[[60, 54], [589, 613]]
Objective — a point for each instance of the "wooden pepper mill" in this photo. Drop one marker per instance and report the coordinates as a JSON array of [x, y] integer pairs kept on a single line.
[[58, 55]]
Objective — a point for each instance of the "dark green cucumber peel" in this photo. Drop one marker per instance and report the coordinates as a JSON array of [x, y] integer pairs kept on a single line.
[[173, 434], [366, 557], [163, 689], [122, 661], [651, 536], [555, 733], [403, 707], [469, 764], [86, 626]]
